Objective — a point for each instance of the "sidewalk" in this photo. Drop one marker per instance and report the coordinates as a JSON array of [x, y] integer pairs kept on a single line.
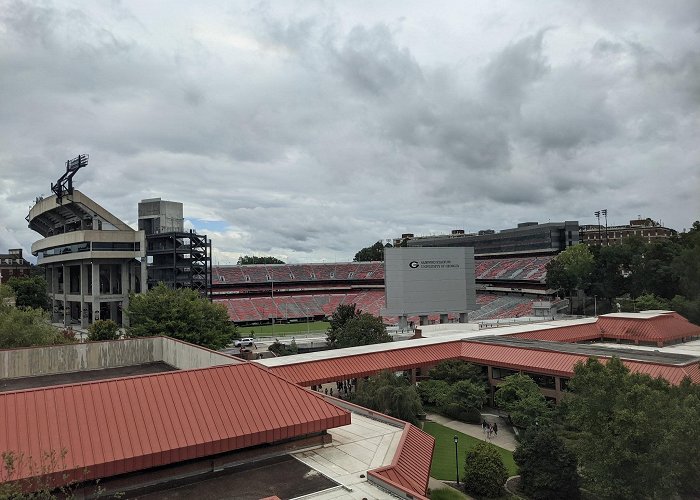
[[505, 438]]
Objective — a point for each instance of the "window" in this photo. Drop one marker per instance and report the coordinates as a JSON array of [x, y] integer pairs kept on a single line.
[[501, 373]]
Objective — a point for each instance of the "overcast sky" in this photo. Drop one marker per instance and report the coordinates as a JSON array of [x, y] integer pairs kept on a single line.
[[308, 130]]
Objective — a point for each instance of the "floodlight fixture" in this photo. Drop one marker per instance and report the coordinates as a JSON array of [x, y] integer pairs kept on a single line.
[[64, 184]]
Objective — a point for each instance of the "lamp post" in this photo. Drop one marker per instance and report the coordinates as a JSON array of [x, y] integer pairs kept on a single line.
[[605, 213], [457, 458]]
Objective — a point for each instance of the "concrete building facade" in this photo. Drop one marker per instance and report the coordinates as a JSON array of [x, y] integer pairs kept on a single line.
[[91, 258]]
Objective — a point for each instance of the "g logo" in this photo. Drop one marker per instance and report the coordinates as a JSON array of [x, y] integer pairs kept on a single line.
[[413, 264]]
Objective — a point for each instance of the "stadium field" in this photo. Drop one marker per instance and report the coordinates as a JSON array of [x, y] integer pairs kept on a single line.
[[283, 329]]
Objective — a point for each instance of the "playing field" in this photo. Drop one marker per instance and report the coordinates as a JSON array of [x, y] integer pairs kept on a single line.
[[283, 329], [443, 466]]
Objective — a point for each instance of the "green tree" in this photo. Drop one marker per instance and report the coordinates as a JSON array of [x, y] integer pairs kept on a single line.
[[26, 328], [389, 394], [252, 259], [548, 470], [182, 314], [484, 471], [357, 329], [434, 393], [455, 370], [571, 270], [30, 292], [373, 253], [649, 301], [280, 349], [630, 432], [103, 329], [468, 394], [7, 296], [520, 397]]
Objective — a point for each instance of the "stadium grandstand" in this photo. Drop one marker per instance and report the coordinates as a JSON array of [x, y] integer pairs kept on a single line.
[[259, 293]]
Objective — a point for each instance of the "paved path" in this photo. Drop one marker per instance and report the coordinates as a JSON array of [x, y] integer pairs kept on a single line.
[[505, 438]]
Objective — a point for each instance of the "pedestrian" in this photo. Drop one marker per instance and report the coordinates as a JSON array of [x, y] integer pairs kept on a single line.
[[495, 429], [489, 432], [326, 391], [484, 426]]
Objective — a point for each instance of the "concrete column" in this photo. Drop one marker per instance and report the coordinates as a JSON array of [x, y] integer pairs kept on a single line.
[[423, 320], [124, 281], [443, 318], [463, 317], [95, 292], [403, 323], [144, 276], [84, 320], [66, 286], [113, 275]]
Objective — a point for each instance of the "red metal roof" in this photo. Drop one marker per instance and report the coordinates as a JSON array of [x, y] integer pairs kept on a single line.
[[664, 327], [121, 425], [410, 469], [574, 333], [363, 365], [516, 358]]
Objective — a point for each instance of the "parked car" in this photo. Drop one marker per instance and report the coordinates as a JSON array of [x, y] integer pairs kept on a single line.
[[245, 342]]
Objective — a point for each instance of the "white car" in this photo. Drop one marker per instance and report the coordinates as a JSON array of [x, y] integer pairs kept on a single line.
[[245, 342]]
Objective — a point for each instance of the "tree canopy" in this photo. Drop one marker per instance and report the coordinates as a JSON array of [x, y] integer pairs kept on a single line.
[[659, 274], [548, 469], [484, 471], [455, 370], [252, 259], [27, 327], [350, 327], [389, 394], [371, 253], [30, 292], [634, 436], [571, 269], [520, 397], [182, 314]]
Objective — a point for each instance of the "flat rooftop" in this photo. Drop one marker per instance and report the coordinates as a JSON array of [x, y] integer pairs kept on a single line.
[[283, 476], [17, 384], [647, 356], [362, 445]]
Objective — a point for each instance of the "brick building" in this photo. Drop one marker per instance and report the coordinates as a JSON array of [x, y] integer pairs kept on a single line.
[[12, 264]]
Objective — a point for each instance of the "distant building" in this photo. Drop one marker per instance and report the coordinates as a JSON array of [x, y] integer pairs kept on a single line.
[[12, 264], [92, 259], [527, 238], [647, 229], [177, 258]]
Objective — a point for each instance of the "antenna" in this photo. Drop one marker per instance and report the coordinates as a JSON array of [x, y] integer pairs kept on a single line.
[[64, 184]]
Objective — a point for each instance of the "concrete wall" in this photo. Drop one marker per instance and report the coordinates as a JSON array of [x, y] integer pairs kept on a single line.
[[187, 356], [35, 361]]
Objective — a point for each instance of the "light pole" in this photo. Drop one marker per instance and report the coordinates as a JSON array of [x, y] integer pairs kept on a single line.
[[605, 213], [600, 240], [457, 458]]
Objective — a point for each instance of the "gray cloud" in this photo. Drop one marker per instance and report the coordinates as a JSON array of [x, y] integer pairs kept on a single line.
[[312, 131]]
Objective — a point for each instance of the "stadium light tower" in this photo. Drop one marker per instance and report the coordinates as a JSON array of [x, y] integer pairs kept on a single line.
[[605, 213], [597, 214], [64, 184]]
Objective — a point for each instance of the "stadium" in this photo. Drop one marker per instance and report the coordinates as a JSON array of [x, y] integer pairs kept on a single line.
[[507, 287]]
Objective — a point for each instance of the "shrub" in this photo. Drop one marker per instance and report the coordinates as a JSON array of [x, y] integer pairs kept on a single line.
[[103, 329], [484, 471]]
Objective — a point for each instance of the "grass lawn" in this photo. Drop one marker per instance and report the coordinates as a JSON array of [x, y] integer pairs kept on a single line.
[[447, 494], [443, 466], [283, 329]]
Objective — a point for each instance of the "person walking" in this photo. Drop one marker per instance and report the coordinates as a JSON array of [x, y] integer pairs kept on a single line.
[[484, 426], [495, 429]]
